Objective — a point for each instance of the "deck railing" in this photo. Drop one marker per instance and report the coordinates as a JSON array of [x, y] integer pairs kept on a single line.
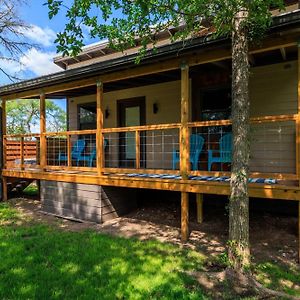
[[155, 149]]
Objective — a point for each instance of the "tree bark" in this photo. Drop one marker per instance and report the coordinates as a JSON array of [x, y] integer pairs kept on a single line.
[[238, 244]]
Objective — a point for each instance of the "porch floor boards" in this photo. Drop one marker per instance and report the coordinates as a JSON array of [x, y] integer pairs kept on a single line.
[[287, 189]]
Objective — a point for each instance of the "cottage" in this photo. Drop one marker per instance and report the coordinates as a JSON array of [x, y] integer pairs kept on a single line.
[[161, 124]]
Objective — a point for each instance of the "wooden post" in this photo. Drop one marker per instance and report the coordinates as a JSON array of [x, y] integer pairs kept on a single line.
[[4, 189], [299, 232], [199, 201], [184, 130], [3, 134], [43, 141], [137, 150], [184, 216], [22, 153], [184, 149], [4, 143], [298, 122], [69, 150], [99, 135]]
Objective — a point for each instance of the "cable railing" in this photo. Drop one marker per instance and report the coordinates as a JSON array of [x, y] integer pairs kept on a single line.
[[155, 149]]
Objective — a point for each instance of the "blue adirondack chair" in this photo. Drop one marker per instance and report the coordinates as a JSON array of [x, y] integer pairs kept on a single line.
[[76, 151], [92, 156], [224, 154], [196, 145]]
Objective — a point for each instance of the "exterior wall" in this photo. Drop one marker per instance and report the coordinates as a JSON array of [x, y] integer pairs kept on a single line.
[[273, 91], [86, 202], [167, 95]]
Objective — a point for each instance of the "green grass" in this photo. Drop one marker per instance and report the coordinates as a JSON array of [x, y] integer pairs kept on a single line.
[[39, 261], [43, 262], [274, 276], [31, 190]]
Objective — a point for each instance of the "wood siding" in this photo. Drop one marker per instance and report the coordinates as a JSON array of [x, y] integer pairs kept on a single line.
[[273, 91], [86, 202]]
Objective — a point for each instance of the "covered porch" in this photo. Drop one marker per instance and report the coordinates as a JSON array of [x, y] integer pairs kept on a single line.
[[166, 125]]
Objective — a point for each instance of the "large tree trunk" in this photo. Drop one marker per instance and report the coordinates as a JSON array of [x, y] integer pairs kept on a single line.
[[239, 254]]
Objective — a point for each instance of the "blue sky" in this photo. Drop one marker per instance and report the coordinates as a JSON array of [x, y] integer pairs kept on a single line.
[[37, 61]]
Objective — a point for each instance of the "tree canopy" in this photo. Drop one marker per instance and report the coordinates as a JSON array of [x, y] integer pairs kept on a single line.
[[23, 116], [123, 21]]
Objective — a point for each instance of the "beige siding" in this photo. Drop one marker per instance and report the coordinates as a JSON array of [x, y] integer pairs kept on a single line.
[[167, 95], [273, 89]]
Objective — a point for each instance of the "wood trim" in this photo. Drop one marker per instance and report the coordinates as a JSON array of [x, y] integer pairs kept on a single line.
[[71, 168], [22, 135], [43, 141], [99, 135], [277, 191], [184, 130], [141, 128], [73, 132]]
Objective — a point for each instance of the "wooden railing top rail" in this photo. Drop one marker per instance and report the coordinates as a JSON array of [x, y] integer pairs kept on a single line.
[[21, 135], [142, 128], [253, 120]]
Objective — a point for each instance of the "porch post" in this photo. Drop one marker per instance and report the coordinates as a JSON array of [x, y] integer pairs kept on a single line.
[[199, 202], [99, 135], [43, 141], [298, 147], [184, 149], [3, 134], [4, 179]]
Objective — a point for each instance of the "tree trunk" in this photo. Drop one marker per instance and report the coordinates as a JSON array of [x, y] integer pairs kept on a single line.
[[238, 245]]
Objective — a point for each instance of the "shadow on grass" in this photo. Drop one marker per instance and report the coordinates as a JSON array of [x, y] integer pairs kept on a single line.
[[42, 262]]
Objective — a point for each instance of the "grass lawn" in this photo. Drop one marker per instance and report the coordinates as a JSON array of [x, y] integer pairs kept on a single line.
[[39, 261], [43, 262]]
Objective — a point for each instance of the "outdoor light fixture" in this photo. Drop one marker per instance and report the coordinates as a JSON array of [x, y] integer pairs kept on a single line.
[[155, 108], [106, 113]]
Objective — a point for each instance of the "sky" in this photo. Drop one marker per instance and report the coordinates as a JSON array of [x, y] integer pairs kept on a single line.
[[37, 61]]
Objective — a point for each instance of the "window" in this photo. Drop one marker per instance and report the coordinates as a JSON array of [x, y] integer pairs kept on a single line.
[[87, 116]]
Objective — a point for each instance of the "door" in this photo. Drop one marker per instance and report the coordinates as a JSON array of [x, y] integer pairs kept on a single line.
[[131, 112]]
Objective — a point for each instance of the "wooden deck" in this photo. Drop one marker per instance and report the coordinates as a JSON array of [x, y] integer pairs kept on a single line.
[[284, 189]]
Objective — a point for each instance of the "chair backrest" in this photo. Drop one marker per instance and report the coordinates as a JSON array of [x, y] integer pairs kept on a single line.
[[226, 147], [196, 145], [78, 148]]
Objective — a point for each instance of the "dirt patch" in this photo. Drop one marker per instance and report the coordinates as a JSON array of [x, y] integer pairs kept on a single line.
[[272, 237]]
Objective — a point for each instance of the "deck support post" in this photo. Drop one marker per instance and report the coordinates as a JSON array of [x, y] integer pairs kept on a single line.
[[4, 140], [184, 216], [299, 232], [99, 135], [298, 148], [43, 141], [184, 149], [199, 202]]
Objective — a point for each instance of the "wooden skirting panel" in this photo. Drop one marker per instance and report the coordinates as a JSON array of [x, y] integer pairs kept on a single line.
[[85, 201]]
